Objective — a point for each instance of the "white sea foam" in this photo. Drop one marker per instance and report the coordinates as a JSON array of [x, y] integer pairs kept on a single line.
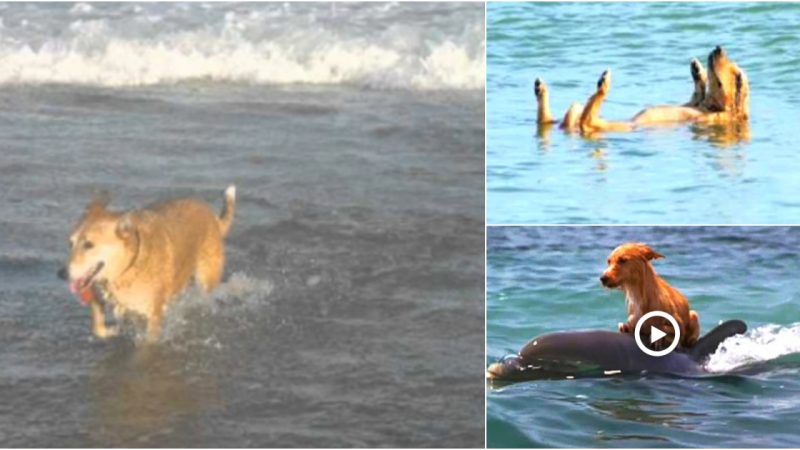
[[268, 46], [761, 344]]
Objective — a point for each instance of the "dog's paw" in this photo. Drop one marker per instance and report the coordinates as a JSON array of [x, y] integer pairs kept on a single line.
[[106, 332], [604, 83], [624, 328], [539, 87], [698, 72]]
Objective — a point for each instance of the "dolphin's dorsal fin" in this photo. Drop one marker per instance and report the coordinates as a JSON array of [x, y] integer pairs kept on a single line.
[[708, 344]]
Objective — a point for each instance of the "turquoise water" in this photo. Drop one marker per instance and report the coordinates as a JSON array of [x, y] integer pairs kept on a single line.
[[676, 175], [544, 279]]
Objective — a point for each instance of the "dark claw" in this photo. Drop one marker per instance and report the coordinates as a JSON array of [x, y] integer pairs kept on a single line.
[[602, 78]]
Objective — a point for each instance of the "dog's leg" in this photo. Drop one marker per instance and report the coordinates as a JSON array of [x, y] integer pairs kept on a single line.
[[208, 272], [590, 117], [628, 326], [590, 121], [154, 327], [692, 329], [700, 79], [572, 117], [99, 328], [543, 116]]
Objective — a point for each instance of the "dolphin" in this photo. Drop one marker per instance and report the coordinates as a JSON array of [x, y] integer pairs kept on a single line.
[[600, 352]]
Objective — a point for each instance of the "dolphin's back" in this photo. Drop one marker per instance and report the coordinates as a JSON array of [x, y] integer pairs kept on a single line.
[[605, 350], [592, 352]]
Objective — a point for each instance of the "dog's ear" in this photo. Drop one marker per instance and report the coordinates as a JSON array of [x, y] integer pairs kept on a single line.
[[742, 98], [98, 204], [650, 254], [125, 227]]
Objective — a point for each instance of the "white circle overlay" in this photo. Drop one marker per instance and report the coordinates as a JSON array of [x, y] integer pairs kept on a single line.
[[672, 322]]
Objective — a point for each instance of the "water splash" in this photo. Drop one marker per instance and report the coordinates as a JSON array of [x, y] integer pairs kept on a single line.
[[760, 344], [196, 318]]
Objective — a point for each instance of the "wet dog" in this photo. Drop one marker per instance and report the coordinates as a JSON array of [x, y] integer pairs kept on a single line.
[[720, 96], [629, 269], [139, 260]]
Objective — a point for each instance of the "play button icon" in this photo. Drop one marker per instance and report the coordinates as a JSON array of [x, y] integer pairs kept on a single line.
[[657, 334]]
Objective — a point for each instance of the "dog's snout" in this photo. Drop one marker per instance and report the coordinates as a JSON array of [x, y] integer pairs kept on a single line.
[[62, 273], [604, 279]]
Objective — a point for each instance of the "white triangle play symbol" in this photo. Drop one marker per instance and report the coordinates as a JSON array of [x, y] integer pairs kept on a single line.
[[656, 334]]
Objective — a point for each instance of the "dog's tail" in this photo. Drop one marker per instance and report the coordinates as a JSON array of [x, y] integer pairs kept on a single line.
[[228, 209]]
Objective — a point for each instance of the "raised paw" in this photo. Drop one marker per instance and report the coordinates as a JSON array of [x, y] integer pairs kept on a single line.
[[604, 83], [539, 87], [698, 72]]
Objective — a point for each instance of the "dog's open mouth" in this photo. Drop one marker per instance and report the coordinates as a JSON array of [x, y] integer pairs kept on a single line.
[[80, 286]]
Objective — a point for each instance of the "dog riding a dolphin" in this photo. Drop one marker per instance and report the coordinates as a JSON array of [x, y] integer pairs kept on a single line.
[[598, 352]]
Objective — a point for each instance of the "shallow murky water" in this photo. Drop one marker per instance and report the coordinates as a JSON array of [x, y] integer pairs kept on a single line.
[[352, 308]]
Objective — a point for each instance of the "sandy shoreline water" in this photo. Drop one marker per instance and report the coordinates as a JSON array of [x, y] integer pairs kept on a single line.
[[351, 312]]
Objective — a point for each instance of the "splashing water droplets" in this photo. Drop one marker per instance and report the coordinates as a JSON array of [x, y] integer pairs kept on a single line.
[[761, 344]]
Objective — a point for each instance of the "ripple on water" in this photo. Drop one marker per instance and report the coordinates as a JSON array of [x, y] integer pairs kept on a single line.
[[541, 41]]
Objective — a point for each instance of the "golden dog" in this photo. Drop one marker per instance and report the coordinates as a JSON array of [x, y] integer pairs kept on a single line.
[[629, 269], [721, 97], [139, 260]]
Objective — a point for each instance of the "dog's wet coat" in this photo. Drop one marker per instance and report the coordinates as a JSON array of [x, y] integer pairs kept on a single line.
[[139, 260]]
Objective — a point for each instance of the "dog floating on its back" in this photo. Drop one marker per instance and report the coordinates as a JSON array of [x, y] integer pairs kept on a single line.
[[139, 260]]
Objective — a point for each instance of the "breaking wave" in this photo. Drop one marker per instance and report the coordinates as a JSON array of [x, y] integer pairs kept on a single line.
[[257, 46]]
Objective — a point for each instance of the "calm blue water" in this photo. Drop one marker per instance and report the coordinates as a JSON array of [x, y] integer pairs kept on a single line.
[[658, 176], [544, 279]]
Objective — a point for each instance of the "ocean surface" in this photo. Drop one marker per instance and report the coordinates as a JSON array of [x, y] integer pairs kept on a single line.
[[668, 175], [545, 279], [351, 313]]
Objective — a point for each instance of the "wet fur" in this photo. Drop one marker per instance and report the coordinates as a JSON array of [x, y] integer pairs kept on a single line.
[[630, 270], [148, 256], [720, 96]]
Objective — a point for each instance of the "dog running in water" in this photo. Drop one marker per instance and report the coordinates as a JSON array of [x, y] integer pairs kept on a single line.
[[139, 260]]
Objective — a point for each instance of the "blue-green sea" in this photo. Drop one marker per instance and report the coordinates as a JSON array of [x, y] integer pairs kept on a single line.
[[668, 175], [544, 279]]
